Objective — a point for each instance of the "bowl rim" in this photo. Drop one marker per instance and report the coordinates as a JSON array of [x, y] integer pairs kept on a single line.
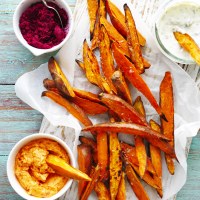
[[34, 50], [11, 160], [162, 8]]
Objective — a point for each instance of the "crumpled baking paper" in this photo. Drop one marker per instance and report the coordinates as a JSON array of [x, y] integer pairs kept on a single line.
[[186, 94]]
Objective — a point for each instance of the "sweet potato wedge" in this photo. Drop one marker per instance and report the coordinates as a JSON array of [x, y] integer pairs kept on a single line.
[[129, 153], [121, 195], [91, 185], [92, 12], [90, 142], [86, 95], [139, 142], [90, 107], [167, 105], [133, 41], [50, 85], [130, 72], [123, 109], [92, 69], [63, 168], [134, 129], [118, 21], [102, 154], [188, 43], [59, 78], [84, 163], [107, 61], [135, 184], [156, 159], [147, 178], [102, 191], [102, 8], [120, 84], [115, 164], [72, 108], [115, 36]]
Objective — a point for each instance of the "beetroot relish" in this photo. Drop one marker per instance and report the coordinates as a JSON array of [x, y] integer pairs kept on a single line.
[[41, 27]]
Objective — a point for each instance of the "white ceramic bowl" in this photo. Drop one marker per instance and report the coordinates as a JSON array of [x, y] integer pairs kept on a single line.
[[16, 17], [11, 164]]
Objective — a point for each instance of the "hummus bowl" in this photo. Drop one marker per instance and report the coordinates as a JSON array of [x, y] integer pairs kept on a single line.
[[12, 160]]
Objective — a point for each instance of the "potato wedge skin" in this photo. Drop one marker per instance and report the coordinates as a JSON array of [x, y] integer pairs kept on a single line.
[[139, 142], [89, 107], [121, 195], [92, 12], [120, 84], [102, 154], [133, 41], [133, 76], [187, 42], [84, 163], [124, 110], [135, 184], [118, 21], [59, 78], [102, 191], [91, 185], [167, 105], [156, 159], [63, 168], [72, 108], [115, 164], [115, 36], [107, 61]]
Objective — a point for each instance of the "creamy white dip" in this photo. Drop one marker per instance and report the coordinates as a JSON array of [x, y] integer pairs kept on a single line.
[[183, 17]]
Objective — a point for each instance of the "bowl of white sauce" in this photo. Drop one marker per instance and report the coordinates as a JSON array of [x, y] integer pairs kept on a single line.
[[177, 15]]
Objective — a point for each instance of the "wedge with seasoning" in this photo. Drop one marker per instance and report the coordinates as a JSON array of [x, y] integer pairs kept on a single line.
[[63, 168], [188, 44]]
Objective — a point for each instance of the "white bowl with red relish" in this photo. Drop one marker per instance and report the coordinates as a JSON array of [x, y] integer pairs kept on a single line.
[[38, 28]]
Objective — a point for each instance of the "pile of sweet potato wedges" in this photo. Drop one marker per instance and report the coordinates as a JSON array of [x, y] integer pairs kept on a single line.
[[106, 159]]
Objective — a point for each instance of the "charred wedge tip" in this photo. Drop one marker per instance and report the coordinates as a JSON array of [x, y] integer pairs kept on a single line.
[[163, 117], [125, 6], [44, 94]]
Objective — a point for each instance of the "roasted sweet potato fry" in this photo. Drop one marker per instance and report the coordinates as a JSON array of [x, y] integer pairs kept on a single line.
[[50, 85], [188, 43], [90, 142], [133, 76], [123, 109], [115, 164], [139, 142], [86, 95], [90, 107], [92, 69], [156, 159], [135, 184], [102, 191], [121, 195], [72, 108], [84, 163], [118, 21], [63, 168], [92, 12], [122, 88], [167, 105], [147, 177], [134, 129], [102, 8], [107, 61], [91, 185], [80, 64], [115, 36], [133, 41], [59, 78], [129, 153], [102, 154]]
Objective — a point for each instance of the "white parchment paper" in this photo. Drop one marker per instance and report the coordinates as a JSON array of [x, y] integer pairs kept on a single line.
[[186, 94]]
